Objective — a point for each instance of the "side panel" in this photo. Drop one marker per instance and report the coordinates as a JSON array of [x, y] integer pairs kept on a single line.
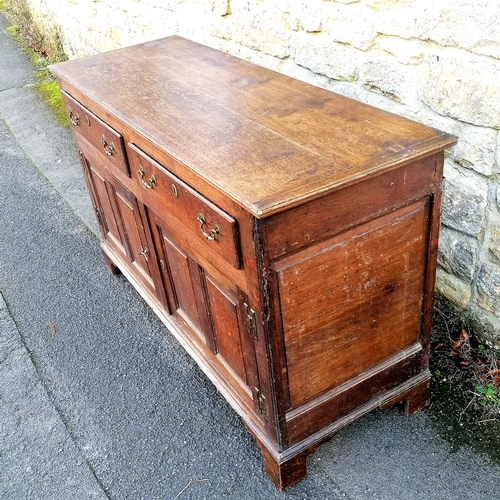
[[352, 302]]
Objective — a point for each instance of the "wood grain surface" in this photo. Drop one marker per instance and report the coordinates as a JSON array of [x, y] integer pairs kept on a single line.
[[266, 140]]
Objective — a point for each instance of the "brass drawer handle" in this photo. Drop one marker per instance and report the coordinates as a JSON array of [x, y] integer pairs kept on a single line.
[[144, 252], [214, 233], [73, 118], [109, 150], [152, 180]]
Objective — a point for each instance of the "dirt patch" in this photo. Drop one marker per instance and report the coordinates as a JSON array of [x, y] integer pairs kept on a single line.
[[465, 396]]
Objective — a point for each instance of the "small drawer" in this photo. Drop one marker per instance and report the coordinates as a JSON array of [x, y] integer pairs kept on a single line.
[[105, 139], [171, 197]]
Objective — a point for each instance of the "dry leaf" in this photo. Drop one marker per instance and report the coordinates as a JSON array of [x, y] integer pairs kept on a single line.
[[52, 328], [461, 340]]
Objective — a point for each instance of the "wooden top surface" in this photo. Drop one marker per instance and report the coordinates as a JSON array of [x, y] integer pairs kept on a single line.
[[266, 140]]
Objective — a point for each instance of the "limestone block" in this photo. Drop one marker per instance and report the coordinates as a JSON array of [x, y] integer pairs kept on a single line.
[[192, 17], [220, 27], [362, 94], [383, 74], [494, 241], [283, 5], [378, 100], [307, 14], [432, 119], [453, 288], [254, 56], [159, 4], [290, 68], [466, 24], [396, 17], [321, 55], [488, 288], [405, 51], [476, 149], [458, 254], [464, 201], [463, 86], [352, 25], [222, 7], [391, 4], [263, 28], [497, 158]]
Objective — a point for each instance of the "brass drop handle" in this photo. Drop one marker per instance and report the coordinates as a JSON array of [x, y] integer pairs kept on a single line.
[[214, 233], [109, 150], [144, 252], [152, 180], [73, 118]]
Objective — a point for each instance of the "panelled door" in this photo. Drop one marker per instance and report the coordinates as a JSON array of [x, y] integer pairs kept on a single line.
[[122, 224], [209, 307]]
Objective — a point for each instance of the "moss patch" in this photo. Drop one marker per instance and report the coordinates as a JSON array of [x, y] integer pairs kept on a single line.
[[50, 95], [45, 84], [462, 421]]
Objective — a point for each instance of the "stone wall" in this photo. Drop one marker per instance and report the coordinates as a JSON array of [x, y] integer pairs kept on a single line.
[[435, 62]]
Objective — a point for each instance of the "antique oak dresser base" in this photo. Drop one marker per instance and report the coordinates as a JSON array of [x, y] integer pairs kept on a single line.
[[287, 236]]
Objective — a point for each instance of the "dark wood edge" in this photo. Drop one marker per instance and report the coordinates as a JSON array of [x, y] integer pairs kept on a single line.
[[267, 207], [269, 342], [434, 211], [382, 400]]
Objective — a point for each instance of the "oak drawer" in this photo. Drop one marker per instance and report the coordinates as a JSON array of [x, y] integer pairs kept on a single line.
[[105, 139], [171, 197]]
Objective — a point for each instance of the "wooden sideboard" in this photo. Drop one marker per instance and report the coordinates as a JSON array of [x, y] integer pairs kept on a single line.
[[285, 234]]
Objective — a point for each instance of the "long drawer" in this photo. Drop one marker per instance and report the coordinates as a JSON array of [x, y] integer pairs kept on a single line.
[[171, 197]]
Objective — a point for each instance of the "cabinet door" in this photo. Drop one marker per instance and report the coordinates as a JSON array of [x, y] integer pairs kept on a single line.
[[121, 223], [102, 204], [213, 310], [230, 318], [183, 280]]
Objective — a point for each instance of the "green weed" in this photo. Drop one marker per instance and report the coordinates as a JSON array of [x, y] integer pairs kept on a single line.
[[490, 394]]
